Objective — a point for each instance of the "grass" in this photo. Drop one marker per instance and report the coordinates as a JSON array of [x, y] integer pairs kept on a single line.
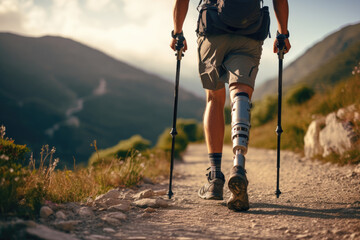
[[25, 187]]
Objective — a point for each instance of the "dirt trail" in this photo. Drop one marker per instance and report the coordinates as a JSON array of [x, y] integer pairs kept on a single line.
[[319, 201]]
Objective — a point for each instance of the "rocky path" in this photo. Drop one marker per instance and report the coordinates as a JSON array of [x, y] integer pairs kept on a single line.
[[319, 201]]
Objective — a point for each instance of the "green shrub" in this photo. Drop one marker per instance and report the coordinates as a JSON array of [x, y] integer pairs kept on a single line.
[[263, 111], [121, 150], [165, 140], [189, 126], [299, 95], [12, 176]]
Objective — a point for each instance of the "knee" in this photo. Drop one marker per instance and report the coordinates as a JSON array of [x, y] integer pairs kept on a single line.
[[240, 87]]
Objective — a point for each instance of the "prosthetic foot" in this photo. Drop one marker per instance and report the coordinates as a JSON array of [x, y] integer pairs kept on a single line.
[[240, 122]]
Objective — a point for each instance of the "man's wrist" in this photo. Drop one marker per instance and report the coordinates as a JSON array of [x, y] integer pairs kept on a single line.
[[287, 35], [176, 35]]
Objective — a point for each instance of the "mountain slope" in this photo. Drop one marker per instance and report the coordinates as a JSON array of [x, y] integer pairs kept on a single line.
[[61, 92], [312, 59]]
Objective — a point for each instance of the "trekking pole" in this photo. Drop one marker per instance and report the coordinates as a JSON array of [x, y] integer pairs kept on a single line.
[[179, 49], [280, 45]]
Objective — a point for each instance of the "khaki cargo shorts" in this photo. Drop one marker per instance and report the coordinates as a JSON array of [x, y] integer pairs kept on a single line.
[[228, 59]]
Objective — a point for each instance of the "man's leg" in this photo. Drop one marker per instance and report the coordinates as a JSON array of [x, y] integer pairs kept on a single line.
[[214, 125], [240, 95]]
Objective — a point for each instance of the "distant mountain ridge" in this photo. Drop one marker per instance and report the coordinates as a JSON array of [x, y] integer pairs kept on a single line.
[[312, 59], [60, 92]]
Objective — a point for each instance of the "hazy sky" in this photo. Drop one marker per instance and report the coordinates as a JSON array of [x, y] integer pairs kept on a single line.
[[138, 31]]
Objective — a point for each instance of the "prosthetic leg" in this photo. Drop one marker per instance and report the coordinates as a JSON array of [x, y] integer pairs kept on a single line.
[[240, 123]]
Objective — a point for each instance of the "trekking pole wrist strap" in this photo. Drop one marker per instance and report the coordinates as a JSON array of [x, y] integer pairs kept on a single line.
[[287, 35], [176, 35]]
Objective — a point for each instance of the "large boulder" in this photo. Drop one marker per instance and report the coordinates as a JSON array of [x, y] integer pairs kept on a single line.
[[333, 134]]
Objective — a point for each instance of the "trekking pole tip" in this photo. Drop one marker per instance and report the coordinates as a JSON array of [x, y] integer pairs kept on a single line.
[[170, 194], [278, 192]]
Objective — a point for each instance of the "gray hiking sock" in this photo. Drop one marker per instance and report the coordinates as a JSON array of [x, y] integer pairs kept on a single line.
[[215, 161]]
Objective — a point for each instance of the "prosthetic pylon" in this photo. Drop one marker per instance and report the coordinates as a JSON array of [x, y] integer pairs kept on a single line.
[[240, 127]]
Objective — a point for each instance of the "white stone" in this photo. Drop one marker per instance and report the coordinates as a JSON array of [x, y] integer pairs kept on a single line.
[[124, 206], [144, 194], [111, 221], [109, 230], [114, 193], [312, 145], [85, 212], [160, 192], [45, 212], [60, 215], [117, 215], [153, 203]]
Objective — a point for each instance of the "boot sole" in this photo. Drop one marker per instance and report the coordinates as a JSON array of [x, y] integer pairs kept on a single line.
[[239, 200]]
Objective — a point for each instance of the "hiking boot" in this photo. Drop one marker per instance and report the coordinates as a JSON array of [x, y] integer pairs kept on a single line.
[[213, 190], [238, 183]]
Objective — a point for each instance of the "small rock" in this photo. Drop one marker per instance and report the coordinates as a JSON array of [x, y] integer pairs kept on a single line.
[[301, 236], [45, 212], [338, 232], [256, 225], [117, 215], [97, 237], [60, 215], [128, 195], [160, 192], [124, 206], [357, 169], [111, 221], [112, 201], [85, 212], [89, 201], [145, 215], [149, 210], [153, 203], [109, 230], [354, 235], [114, 193], [144, 194], [66, 226]]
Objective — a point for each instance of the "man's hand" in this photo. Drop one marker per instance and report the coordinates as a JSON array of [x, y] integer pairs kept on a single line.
[[173, 42], [286, 48]]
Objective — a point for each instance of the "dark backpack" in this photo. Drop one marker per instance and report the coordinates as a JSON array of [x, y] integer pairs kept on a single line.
[[241, 17]]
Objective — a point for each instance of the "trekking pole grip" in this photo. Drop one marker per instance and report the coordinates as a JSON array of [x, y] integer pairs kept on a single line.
[[179, 46], [281, 45]]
